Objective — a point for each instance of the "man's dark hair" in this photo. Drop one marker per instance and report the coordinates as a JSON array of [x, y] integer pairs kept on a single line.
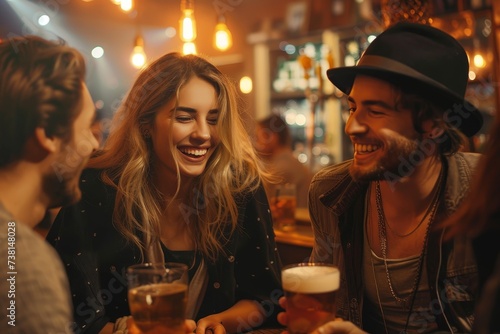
[[40, 86]]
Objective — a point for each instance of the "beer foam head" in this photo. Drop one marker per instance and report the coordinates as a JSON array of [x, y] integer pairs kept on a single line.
[[311, 279]]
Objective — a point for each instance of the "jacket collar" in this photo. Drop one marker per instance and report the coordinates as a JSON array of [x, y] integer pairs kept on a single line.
[[344, 190]]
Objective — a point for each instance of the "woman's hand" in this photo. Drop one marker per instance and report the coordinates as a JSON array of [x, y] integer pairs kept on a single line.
[[189, 325], [210, 325]]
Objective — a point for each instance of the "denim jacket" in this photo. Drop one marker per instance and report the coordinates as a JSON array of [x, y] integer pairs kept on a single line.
[[336, 205]]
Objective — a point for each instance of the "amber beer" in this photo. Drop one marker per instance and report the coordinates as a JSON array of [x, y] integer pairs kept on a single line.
[[157, 297], [283, 206], [159, 306], [310, 290], [283, 211]]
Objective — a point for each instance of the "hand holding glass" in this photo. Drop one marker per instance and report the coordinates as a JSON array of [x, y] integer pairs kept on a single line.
[[310, 290], [157, 296]]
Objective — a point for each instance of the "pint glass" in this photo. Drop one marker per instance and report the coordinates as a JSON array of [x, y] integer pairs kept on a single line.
[[310, 290], [283, 205], [157, 296]]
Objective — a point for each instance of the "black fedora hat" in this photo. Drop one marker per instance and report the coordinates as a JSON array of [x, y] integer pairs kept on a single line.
[[425, 59]]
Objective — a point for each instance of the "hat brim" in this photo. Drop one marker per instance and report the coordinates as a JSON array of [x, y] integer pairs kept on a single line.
[[458, 111]]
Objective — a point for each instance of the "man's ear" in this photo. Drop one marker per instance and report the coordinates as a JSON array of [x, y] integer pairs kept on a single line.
[[48, 143], [432, 129], [435, 132]]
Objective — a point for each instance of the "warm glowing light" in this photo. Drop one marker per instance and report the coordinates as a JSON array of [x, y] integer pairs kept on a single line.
[[187, 23], [472, 75], [97, 52], [43, 20], [188, 26], [246, 85], [479, 61], [302, 157], [223, 38], [300, 120], [290, 116], [126, 5], [189, 48], [138, 58]]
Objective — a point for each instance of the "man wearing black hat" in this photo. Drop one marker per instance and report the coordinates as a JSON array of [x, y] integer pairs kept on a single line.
[[377, 216]]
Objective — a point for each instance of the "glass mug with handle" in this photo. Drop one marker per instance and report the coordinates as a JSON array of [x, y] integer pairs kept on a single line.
[[157, 296], [310, 290]]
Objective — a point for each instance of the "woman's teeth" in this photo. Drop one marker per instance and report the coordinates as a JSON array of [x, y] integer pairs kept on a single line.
[[195, 152]]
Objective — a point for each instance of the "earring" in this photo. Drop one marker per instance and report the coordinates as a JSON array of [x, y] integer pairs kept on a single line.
[[146, 134]]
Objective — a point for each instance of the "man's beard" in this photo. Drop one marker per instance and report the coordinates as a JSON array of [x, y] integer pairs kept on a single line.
[[60, 191], [61, 184], [396, 151]]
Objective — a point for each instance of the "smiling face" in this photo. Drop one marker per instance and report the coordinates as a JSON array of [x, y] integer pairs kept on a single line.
[[186, 133], [382, 136]]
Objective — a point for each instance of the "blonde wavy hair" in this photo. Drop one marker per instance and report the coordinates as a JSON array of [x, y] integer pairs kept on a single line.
[[233, 169]]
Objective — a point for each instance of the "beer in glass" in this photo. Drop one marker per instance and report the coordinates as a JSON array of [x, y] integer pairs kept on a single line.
[[310, 290], [283, 206], [157, 296]]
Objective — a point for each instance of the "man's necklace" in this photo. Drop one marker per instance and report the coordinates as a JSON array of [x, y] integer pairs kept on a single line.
[[406, 303], [407, 234]]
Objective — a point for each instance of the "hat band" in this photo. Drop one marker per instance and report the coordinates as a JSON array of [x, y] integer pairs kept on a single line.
[[393, 66]]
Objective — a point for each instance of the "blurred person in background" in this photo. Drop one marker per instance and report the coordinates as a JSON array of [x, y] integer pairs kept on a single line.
[[46, 139], [274, 144], [178, 180]]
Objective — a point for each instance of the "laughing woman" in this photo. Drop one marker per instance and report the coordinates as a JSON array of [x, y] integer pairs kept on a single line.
[[177, 181]]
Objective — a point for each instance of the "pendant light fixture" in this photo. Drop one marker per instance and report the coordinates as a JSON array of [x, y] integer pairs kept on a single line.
[[187, 24], [125, 5], [222, 39], [138, 57]]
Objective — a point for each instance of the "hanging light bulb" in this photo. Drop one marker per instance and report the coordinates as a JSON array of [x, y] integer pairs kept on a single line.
[[222, 39], [138, 57], [126, 5], [189, 48], [187, 22]]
